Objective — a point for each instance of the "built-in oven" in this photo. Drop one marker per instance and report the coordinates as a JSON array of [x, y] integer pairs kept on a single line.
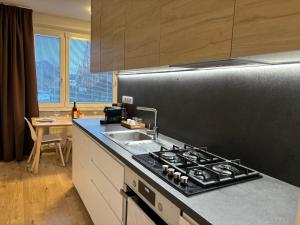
[[138, 212], [144, 205]]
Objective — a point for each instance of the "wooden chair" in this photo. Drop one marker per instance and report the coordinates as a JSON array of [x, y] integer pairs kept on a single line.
[[68, 148], [47, 139]]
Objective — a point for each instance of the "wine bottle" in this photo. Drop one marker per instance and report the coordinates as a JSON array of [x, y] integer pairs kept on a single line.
[[74, 111]]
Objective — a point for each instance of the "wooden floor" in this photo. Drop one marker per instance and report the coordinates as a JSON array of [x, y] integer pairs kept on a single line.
[[48, 198]]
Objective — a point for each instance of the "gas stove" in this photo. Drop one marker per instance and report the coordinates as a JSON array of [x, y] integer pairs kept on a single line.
[[193, 170]]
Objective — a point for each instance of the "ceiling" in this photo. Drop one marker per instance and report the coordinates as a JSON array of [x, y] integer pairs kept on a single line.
[[78, 9]]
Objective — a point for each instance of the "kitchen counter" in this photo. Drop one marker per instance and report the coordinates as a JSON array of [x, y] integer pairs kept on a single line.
[[265, 201]]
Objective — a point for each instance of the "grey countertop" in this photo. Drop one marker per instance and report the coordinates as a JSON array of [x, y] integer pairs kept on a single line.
[[265, 201]]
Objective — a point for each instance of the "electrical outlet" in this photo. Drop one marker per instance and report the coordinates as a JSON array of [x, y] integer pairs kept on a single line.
[[127, 99]]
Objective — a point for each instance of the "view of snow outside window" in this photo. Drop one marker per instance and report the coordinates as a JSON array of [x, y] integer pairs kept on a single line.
[[84, 87], [47, 62]]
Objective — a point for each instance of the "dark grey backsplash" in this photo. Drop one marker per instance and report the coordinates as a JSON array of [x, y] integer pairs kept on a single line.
[[250, 113]]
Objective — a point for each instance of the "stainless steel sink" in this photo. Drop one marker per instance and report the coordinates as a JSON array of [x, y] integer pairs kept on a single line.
[[137, 142], [128, 136]]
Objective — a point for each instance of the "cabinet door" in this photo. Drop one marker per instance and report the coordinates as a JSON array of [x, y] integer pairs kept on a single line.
[[112, 35], [98, 177], [266, 26], [100, 211], [142, 33], [195, 30], [95, 35]]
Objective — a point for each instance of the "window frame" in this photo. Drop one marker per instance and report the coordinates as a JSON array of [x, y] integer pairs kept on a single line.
[[60, 34], [64, 104]]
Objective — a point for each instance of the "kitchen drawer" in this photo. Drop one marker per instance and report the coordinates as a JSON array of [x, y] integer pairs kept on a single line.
[[87, 149], [79, 178], [98, 178], [79, 145], [109, 192], [99, 209], [100, 212], [105, 163]]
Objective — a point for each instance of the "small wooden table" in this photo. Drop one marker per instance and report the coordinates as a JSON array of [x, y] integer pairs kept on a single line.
[[40, 127]]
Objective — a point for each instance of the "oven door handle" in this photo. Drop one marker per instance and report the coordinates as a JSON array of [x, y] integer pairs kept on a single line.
[[125, 202], [124, 194]]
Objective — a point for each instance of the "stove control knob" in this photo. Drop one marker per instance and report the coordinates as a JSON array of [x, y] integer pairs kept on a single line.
[[165, 168], [160, 207], [177, 176], [134, 183], [184, 180], [171, 172]]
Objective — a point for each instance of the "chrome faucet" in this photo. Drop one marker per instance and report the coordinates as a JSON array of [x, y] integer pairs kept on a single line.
[[154, 131]]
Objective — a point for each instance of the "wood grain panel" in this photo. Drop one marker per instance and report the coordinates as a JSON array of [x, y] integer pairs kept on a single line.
[[142, 33], [112, 35], [95, 35], [266, 26], [193, 30]]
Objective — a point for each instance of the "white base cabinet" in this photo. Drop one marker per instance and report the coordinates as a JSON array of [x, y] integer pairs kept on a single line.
[[98, 178]]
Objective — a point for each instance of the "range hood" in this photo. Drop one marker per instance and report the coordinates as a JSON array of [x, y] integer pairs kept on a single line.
[[160, 69], [257, 60], [193, 66], [221, 63], [276, 58]]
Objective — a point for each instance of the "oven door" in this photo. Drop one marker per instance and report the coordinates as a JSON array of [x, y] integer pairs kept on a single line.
[[138, 212], [136, 215]]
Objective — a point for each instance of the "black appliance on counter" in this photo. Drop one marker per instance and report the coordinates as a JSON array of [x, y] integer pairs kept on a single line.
[[194, 170], [112, 115]]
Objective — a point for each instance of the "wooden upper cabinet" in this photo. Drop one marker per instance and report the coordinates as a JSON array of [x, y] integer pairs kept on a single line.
[[195, 30], [265, 26], [112, 34], [142, 33], [95, 35]]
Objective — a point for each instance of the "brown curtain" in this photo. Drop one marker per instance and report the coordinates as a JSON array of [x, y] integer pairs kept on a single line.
[[18, 86]]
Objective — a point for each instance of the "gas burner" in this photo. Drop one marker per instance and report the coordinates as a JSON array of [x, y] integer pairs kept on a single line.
[[200, 174], [168, 155], [190, 155], [202, 171], [225, 169], [200, 155]]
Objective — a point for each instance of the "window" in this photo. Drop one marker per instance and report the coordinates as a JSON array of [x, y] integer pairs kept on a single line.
[[47, 60], [63, 72], [84, 86]]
